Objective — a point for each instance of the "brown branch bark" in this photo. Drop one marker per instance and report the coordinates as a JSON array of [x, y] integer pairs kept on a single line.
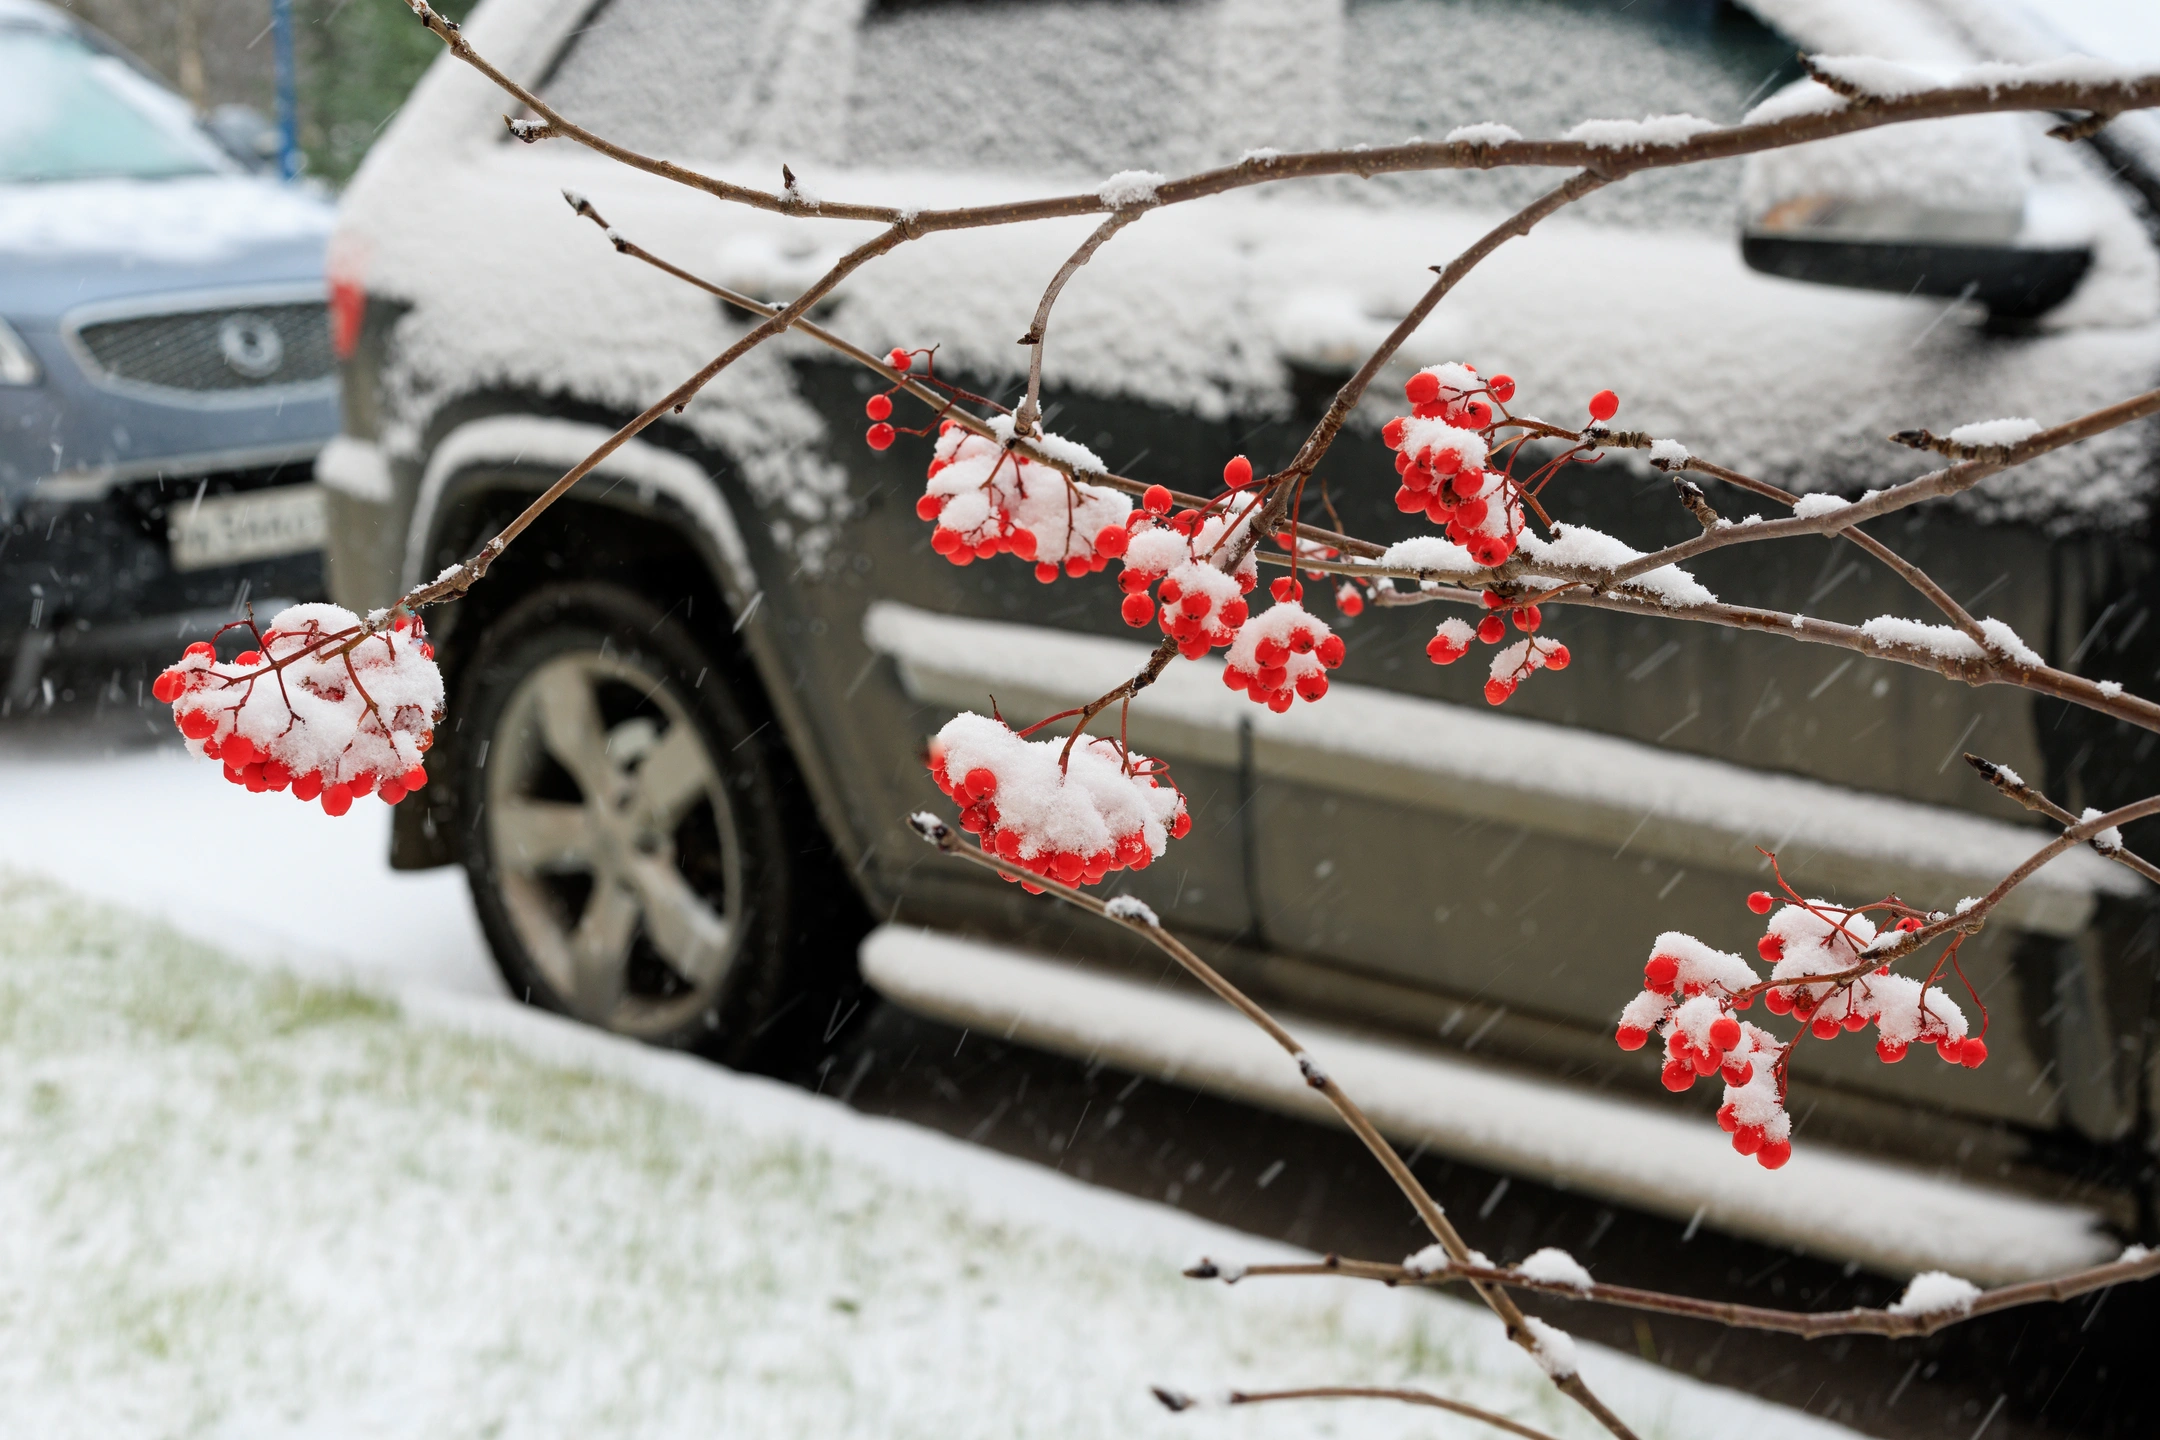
[[1029, 414], [1810, 1325], [937, 833], [1381, 1392], [2015, 786]]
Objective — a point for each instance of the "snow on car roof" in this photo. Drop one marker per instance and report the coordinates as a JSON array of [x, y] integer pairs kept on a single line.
[[1196, 305]]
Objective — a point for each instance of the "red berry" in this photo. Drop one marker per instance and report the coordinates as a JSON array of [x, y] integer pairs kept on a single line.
[[1492, 629], [238, 752], [1527, 619], [1156, 500], [1777, 1002], [1137, 609], [1604, 405], [1494, 600], [1349, 601], [1497, 691], [337, 799], [1661, 972], [1440, 652], [1774, 1154], [1330, 652], [981, 782], [1046, 573], [877, 407], [1771, 948], [1725, 1032], [900, 360], [1111, 540], [1973, 1053], [1825, 1028], [1890, 1051], [1760, 902], [203, 648], [879, 436], [1557, 658], [1422, 388], [1503, 388], [197, 724], [167, 687], [1391, 433], [1854, 1020], [1726, 1119], [1678, 1075], [1740, 1074], [1631, 1037], [1747, 1139], [1950, 1048], [414, 779], [391, 792], [929, 507], [1238, 473]]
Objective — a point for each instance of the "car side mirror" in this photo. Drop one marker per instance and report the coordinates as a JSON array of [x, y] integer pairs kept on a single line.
[[1910, 249], [1948, 208], [247, 134]]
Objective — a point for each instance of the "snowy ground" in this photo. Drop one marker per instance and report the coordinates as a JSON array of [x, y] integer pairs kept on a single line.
[[236, 1203], [336, 1186]]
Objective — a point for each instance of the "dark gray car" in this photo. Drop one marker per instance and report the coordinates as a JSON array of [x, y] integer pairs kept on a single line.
[[691, 704], [166, 375]]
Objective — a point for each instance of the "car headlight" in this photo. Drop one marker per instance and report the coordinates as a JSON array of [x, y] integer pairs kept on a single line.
[[17, 365]]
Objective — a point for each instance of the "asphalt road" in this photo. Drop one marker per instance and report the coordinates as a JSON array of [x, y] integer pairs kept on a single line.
[[2076, 1370]]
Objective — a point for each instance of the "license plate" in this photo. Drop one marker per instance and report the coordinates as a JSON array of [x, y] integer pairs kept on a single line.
[[234, 529]]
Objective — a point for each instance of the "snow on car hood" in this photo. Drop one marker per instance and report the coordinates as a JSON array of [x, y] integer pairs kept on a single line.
[[185, 220], [1197, 305]]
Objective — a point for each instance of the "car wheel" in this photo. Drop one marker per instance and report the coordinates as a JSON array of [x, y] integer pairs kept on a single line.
[[627, 840]]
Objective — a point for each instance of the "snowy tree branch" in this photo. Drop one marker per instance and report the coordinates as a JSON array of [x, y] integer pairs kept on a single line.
[[1895, 1323], [1175, 1401]]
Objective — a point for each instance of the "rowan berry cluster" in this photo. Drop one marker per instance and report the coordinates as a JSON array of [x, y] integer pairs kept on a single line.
[[1512, 665], [317, 707], [1073, 817], [1441, 453], [1285, 651], [1692, 991], [986, 499]]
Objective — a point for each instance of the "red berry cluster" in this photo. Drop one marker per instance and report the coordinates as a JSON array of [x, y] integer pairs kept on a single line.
[[881, 434], [986, 500], [1811, 938], [316, 708], [1452, 637], [1195, 602], [1074, 818], [1441, 454], [1282, 653]]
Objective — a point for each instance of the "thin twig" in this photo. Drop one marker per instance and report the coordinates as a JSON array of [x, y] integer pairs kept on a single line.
[[2010, 783], [1029, 414], [1174, 1401], [1808, 1324]]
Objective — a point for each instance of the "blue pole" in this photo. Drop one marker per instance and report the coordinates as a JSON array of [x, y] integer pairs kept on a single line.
[[288, 99]]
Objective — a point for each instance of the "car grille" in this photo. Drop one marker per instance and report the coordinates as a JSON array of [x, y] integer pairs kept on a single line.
[[231, 348]]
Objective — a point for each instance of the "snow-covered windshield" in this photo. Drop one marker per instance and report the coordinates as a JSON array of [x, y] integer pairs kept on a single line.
[[70, 113], [1080, 89]]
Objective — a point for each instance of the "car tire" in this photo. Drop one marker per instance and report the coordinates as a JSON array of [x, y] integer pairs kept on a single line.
[[631, 828]]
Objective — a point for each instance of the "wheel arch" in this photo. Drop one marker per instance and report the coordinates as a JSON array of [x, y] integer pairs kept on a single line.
[[663, 498]]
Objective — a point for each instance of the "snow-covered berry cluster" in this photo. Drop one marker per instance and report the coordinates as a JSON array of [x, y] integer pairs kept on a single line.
[[1195, 601], [1441, 453], [1817, 938], [1451, 641], [1070, 817], [986, 499], [1283, 652], [1691, 991], [315, 709]]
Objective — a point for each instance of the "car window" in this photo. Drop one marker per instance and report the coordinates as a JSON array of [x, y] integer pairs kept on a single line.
[[1080, 89], [68, 112]]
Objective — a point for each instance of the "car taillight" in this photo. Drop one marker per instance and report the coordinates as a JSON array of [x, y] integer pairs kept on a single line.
[[348, 307]]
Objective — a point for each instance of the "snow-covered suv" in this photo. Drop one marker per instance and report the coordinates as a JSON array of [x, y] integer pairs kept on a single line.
[[690, 705]]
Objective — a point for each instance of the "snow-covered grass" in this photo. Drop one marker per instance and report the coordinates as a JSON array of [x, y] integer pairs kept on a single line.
[[234, 1201]]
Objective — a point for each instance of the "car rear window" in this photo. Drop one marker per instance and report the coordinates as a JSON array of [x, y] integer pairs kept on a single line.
[[1079, 89]]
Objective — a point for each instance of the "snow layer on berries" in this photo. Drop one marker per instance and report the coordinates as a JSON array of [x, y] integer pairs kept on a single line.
[[1902, 1011], [988, 492], [1995, 432], [1948, 641], [1817, 938], [1086, 808], [1431, 552], [1283, 651], [1634, 134], [1426, 440], [1936, 1292], [1553, 1348], [371, 712], [1556, 1267], [1485, 132], [1579, 545], [1130, 187]]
